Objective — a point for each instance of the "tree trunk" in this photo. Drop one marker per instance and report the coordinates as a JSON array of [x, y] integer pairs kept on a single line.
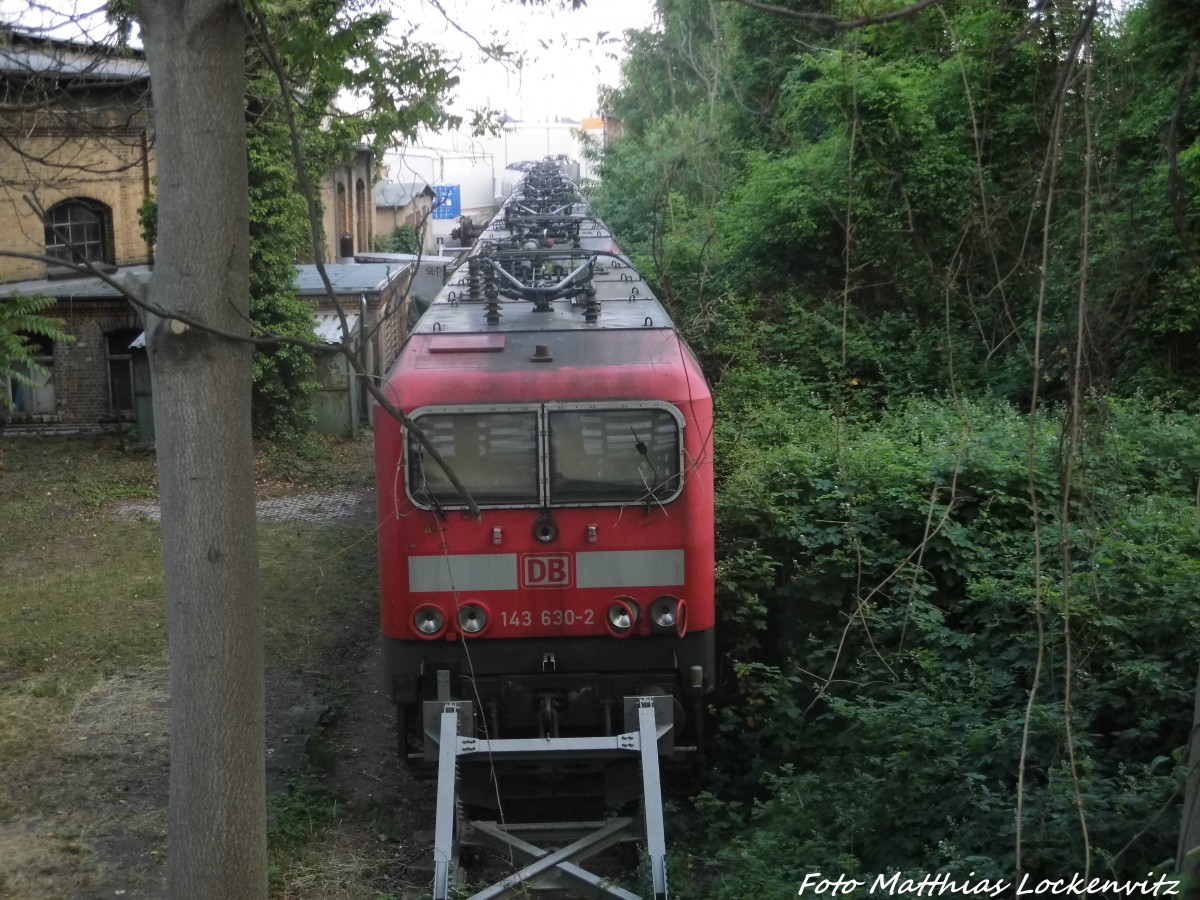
[[217, 818], [1189, 830]]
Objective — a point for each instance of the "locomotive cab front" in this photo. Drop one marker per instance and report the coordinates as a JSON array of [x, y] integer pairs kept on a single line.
[[571, 565]]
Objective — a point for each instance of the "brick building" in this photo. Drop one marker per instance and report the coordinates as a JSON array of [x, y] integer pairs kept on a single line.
[[104, 375], [76, 164], [346, 199], [408, 203], [76, 159]]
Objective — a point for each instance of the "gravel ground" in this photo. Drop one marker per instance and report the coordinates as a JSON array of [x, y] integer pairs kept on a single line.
[[346, 506]]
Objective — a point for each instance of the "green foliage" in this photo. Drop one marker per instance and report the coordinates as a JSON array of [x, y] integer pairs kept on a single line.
[[147, 215], [403, 239], [21, 323], [859, 235], [893, 558], [328, 49], [284, 374], [337, 48]]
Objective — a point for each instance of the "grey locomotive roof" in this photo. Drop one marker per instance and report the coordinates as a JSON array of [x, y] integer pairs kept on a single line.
[[626, 301], [623, 304]]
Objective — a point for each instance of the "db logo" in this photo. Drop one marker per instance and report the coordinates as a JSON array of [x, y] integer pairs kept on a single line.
[[546, 571]]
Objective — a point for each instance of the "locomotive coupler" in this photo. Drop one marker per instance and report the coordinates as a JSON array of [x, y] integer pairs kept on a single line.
[[548, 719]]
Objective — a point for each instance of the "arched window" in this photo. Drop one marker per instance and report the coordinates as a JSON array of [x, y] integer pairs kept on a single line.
[[343, 220], [84, 225], [360, 204]]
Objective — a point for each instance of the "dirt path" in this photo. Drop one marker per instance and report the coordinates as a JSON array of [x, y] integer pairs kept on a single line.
[[101, 827], [387, 828]]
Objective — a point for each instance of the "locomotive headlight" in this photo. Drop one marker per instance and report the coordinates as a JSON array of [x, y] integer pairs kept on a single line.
[[429, 621], [472, 619], [664, 613], [622, 616]]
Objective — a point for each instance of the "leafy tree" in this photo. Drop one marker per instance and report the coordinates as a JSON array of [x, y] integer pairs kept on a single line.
[[202, 381], [941, 268], [199, 340], [20, 319], [403, 239]]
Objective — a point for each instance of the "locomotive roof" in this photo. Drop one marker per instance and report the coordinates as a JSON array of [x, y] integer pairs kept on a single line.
[[626, 301], [631, 351]]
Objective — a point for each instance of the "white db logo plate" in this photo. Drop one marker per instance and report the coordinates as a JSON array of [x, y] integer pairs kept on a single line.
[[551, 570]]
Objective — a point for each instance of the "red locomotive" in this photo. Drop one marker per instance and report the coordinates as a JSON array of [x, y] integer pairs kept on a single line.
[[559, 392]]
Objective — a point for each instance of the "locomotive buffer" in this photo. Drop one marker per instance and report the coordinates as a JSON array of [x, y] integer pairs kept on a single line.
[[449, 735]]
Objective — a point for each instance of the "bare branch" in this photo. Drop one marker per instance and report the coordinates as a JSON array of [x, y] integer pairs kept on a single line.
[[139, 301], [493, 52], [833, 21], [353, 355]]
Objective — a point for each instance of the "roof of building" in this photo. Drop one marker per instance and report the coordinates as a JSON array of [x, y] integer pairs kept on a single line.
[[406, 258], [391, 195], [32, 56], [61, 289], [349, 278], [346, 278]]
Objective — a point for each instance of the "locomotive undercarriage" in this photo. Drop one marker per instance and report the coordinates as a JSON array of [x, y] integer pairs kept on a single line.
[[540, 688], [555, 740], [493, 797]]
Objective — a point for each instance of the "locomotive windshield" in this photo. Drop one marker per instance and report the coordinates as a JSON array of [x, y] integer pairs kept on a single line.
[[557, 456], [612, 455], [494, 455]]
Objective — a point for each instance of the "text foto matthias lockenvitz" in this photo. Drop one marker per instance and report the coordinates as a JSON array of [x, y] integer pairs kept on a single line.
[[941, 885]]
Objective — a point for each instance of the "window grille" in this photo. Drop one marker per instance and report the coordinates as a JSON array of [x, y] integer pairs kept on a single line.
[[79, 224]]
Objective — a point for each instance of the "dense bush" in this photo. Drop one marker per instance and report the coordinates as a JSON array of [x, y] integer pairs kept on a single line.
[[876, 599], [957, 544]]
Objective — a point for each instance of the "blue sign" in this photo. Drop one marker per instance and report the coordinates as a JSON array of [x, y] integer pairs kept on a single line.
[[448, 204]]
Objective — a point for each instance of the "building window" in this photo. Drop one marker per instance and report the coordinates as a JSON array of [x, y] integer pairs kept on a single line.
[[343, 237], [120, 370], [360, 204], [85, 226], [33, 393]]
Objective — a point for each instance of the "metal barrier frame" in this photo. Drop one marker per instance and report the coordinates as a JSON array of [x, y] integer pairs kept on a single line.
[[557, 869]]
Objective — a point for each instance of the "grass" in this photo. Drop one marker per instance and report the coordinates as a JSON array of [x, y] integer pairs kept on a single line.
[[83, 643]]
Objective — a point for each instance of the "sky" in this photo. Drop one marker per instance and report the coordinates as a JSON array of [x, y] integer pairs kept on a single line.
[[567, 53]]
